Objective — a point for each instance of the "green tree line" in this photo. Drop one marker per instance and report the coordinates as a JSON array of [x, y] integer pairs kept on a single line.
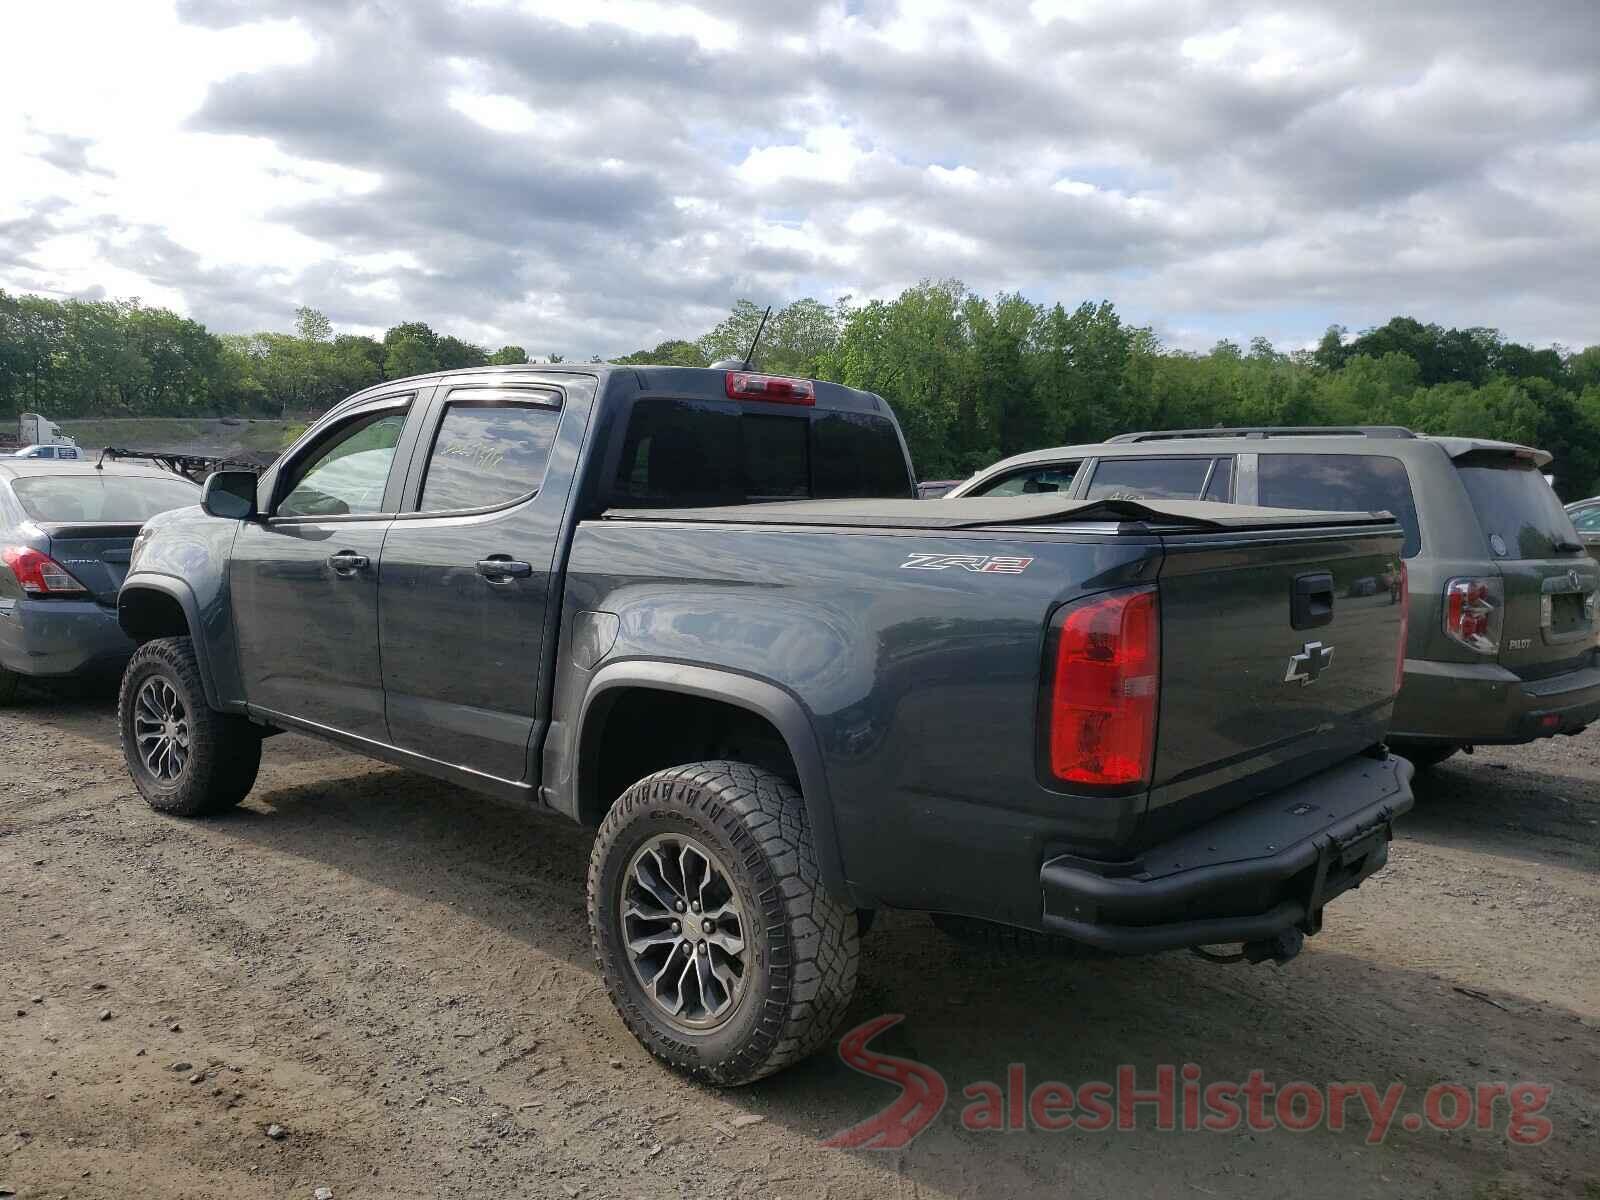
[[971, 378], [80, 358]]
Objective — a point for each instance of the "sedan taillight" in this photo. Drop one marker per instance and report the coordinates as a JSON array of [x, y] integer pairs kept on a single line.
[[38, 573], [1102, 688], [1474, 611]]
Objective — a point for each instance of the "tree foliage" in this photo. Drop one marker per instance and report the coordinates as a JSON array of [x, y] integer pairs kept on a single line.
[[971, 378]]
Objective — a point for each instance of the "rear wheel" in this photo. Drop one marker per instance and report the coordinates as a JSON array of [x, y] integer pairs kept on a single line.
[[715, 938], [8, 686], [185, 758], [1424, 755]]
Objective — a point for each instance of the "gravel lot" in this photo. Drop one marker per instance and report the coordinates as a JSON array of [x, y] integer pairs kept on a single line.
[[397, 974]]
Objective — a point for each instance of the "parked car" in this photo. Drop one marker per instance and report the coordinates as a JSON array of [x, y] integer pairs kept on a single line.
[[62, 453], [1585, 516], [1503, 622], [66, 530], [1122, 723]]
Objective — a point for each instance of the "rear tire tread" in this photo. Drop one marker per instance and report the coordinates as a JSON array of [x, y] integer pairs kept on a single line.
[[815, 943]]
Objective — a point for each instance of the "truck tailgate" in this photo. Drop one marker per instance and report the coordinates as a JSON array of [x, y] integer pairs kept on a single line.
[[1279, 657]]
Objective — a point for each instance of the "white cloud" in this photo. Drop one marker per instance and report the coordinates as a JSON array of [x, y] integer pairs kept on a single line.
[[589, 178]]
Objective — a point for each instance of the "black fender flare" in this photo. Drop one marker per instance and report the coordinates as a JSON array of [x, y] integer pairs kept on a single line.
[[178, 590], [779, 706]]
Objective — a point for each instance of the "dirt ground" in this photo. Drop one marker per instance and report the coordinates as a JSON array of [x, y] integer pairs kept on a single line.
[[397, 974]]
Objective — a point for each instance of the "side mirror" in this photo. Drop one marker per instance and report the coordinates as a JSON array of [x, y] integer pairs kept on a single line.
[[230, 494]]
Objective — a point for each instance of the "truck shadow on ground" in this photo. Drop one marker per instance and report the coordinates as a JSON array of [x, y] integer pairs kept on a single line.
[[968, 1014], [1506, 803]]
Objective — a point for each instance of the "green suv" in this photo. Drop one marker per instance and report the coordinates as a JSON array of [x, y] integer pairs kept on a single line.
[[1502, 641]]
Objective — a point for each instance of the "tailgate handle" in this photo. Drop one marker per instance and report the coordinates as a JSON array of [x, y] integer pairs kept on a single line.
[[1311, 602]]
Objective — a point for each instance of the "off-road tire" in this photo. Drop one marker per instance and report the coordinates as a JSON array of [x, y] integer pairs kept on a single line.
[[803, 944], [8, 687], [224, 750], [1424, 756]]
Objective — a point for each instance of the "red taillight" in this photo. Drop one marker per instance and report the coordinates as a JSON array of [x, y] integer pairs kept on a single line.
[[1405, 627], [1103, 690], [38, 573], [775, 389], [1473, 613]]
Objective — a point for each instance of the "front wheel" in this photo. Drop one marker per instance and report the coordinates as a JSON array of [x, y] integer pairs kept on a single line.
[[715, 938], [185, 758]]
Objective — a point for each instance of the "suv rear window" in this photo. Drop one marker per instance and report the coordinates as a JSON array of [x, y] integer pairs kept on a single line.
[[1519, 513], [685, 452], [1341, 483]]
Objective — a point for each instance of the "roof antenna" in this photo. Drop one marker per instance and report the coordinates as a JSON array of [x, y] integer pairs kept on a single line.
[[755, 341]]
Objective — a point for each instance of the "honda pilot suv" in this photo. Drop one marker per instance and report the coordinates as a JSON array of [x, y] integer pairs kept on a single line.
[[1502, 640]]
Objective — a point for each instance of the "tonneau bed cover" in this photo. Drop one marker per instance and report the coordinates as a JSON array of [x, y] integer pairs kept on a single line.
[[1140, 516]]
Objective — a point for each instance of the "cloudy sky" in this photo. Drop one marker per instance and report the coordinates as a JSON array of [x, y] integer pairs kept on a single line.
[[595, 176]]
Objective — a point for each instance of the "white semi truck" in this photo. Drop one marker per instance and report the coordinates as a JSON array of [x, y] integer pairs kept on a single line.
[[38, 437]]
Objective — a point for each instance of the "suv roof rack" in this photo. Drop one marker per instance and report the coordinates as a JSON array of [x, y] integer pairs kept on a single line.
[[1268, 431]]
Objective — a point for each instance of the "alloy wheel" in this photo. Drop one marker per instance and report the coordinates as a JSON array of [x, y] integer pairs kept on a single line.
[[161, 729], [685, 932]]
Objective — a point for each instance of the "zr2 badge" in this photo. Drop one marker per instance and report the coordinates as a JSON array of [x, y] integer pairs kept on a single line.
[[983, 564]]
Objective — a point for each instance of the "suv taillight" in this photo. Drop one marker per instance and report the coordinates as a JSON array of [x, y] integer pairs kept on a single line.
[[1474, 611], [38, 573], [1405, 627], [775, 389], [1103, 683]]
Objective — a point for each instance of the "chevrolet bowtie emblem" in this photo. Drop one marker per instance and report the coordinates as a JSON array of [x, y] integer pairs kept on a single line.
[[1314, 658]]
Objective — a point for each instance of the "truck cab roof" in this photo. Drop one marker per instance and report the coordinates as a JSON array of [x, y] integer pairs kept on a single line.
[[695, 382]]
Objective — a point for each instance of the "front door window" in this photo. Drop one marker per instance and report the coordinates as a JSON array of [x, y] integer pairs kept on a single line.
[[348, 475]]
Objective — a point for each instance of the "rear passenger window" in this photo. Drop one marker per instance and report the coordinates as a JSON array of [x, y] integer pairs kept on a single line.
[[1051, 479], [488, 453], [1149, 478], [1341, 483]]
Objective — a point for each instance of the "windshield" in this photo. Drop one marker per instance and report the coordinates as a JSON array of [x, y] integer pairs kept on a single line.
[[1519, 513], [102, 498]]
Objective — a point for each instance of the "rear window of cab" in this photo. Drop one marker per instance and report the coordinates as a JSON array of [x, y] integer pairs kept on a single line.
[[686, 452]]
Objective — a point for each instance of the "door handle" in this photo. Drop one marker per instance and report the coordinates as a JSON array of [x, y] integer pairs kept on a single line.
[[348, 562], [1311, 601], [503, 570]]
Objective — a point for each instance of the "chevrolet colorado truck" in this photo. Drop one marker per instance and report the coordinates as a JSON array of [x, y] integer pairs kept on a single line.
[[702, 612]]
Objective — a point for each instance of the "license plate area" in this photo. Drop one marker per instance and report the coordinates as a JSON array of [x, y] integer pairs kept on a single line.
[[1566, 612]]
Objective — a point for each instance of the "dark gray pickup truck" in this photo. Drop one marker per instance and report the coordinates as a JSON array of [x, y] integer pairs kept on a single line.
[[700, 611]]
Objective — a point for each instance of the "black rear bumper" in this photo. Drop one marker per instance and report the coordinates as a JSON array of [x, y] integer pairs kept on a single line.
[[1249, 875]]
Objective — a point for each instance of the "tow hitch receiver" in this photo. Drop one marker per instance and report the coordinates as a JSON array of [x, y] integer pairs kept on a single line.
[[1279, 948]]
